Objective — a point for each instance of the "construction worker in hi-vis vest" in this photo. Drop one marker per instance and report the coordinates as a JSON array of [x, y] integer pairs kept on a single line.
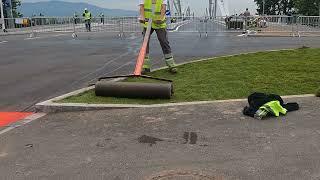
[[87, 18], [159, 25]]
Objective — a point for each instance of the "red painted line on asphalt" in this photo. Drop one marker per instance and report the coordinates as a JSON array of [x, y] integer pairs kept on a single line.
[[7, 118]]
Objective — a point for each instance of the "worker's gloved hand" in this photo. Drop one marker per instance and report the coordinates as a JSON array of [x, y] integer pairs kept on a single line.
[[142, 20], [158, 22]]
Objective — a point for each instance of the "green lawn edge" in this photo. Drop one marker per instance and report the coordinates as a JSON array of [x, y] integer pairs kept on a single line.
[[285, 72]]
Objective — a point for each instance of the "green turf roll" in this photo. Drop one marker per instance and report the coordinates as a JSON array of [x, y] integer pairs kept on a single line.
[[134, 90]]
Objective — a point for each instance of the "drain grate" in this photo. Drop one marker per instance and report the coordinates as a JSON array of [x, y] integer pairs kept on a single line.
[[183, 175]]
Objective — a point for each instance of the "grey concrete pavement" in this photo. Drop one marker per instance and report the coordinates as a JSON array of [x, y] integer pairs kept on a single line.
[[34, 70], [215, 140]]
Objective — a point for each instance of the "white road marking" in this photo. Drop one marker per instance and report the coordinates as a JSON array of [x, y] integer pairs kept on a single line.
[[32, 38], [23, 122], [57, 35], [177, 28], [2, 42], [220, 22]]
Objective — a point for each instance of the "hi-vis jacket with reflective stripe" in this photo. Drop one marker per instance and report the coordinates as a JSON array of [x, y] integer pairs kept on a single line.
[[156, 16], [87, 15]]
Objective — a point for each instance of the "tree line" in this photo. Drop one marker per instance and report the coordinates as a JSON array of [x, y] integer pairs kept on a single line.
[[288, 7], [10, 8]]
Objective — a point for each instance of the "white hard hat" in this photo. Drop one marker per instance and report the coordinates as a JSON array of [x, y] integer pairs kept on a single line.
[[85, 9]]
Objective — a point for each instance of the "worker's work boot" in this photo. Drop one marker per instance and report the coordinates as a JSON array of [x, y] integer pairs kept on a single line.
[[173, 70], [171, 64], [146, 68]]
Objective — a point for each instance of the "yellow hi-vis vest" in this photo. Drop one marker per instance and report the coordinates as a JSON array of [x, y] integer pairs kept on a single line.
[[87, 15], [156, 16]]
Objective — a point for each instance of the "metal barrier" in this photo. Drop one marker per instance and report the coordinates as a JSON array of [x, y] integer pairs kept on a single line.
[[201, 25], [206, 25], [278, 24], [38, 25], [309, 24]]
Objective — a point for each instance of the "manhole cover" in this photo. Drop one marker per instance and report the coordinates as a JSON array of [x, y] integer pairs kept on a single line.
[[183, 175]]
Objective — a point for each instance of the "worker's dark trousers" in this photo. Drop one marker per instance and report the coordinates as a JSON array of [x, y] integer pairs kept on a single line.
[[88, 24], [163, 39]]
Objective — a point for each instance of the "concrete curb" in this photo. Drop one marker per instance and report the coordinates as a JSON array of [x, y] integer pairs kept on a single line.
[[50, 106]]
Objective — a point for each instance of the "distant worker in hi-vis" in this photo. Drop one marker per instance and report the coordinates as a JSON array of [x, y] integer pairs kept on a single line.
[[87, 19], [101, 18], [159, 25], [247, 15]]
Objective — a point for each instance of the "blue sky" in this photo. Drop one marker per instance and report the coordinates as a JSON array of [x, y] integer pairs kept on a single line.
[[235, 6]]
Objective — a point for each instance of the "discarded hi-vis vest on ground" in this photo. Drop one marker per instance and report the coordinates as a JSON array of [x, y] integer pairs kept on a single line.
[[262, 105]]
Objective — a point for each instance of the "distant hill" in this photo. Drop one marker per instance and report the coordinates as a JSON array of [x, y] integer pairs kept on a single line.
[[62, 8]]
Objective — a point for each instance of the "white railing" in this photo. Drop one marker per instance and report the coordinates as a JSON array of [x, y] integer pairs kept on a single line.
[[121, 25]]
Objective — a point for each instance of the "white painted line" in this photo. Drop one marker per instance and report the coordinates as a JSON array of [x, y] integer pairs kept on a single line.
[[6, 130], [2, 42], [57, 35], [132, 36], [177, 29], [242, 35], [85, 106], [32, 38], [220, 23], [73, 93], [25, 121]]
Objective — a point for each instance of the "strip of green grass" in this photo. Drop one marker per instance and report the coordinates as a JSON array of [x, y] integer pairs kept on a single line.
[[287, 72]]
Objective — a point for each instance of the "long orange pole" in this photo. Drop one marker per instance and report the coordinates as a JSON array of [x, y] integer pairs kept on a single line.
[[143, 49]]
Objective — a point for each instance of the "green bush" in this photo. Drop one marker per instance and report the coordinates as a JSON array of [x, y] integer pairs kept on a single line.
[[318, 92]]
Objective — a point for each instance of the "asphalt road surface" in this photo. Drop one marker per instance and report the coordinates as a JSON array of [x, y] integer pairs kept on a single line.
[[51, 64], [207, 142]]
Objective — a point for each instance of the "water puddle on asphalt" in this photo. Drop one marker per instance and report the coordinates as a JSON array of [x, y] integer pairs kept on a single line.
[[148, 140], [190, 138], [29, 145]]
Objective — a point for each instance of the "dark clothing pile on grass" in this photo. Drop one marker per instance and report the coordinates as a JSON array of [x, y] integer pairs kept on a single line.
[[262, 105]]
